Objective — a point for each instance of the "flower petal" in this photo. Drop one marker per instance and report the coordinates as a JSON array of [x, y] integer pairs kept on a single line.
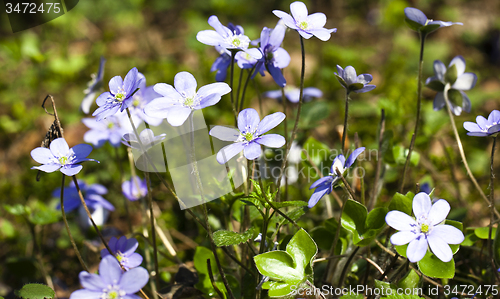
[[131, 81], [134, 260], [115, 84], [281, 58], [277, 35], [417, 249], [482, 122], [494, 117], [350, 76], [110, 270], [322, 33], [448, 234], [277, 75], [248, 119], [71, 170], [403, 237], [59, 147], [165, 90], [466, 105], [353, 157], [438, 211], [367, 88], [440, 248], [209, 37], [415, 15], [465, 82], [219, 28], [82, 150], [185, 84], [287, 19], [298, 10], [48, 167], [133, 280], [229, 151], [85, 294], [316, 20], [439, 101], [92, 282], [459, 63], [252, 151], [42, 155], [472, 127], [422, 205], [317, 195], [439, 70], [177, 115], [224, 133], [400, 221], [130, 246], [327, 180], [271, 140], [269, 122]]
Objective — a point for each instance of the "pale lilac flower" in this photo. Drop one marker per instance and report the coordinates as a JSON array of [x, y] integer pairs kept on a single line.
[[292, 93], [231, 39], [484, 127], [61, 157], [141, 98], [306, 25], [275, 58], [111, 282], [177, 103], [249, 136], [92, 194], [135, 188], [418, 21], [425, 230], [351, 82], [459, 80], [124, 251], [109, 129], [146, 140], [119, 96], [93, 87], [325, 184]]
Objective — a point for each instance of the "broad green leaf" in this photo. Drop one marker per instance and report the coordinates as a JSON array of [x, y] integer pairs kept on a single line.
[[35, 291], [17, 209], [201, 255], [401, 203], [302, 249], [7, 229], [431, 266], [401, 249], [312, 113], [227, 238], [483, 232], [293, 214], [279, 289], [384, 287], [376, 218], [470, 239], [354, 216], [410, 281], [278, 265], [42, 215]]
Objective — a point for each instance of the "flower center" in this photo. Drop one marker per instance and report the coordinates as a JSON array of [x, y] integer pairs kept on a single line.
[[248, 136], [63, 160], [303, 25], [110, 125], [424, 228], [337, 165], [120, 96], [236, 42], [112, 292], [119, 256], [189, 102], [136, 103]]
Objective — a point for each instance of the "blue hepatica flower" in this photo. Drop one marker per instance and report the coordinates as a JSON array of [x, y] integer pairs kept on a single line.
[[177, 103], [325, 184], [249, 136], [306, 25], [484, 127], [351, 82], [459, 81], [141, 98], [61, 157], [135, 188], [93, 87], [109, 129], [425, 230], [418, 21], [292, 93], [222, 63], [119, 96], [91, 193], [231, 39], [111, 282], [124, 251]]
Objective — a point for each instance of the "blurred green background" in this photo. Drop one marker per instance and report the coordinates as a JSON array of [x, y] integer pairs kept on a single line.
[[159, 38]]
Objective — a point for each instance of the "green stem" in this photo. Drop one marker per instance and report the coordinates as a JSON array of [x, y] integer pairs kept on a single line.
[[419, 101], [77, 252], [492, 208], [461, 148], [238, 92], [242, 100], [344, 133], [153, 229], [233, 54]]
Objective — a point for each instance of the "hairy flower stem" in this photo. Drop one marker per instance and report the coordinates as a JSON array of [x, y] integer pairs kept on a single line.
[[344, 133], [233, 54], [295, 126], [492, 209], [77, 252], [153, 229], [90, 215], [419, 101], [461, 149], [204, 207]]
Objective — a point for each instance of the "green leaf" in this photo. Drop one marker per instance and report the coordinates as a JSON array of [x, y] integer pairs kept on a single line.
[[227, 238], [293, 214], [278, 265], [431, 266], [284, 204], [35, 291], [318, 152], [451, 74], [436, 85], [384, 287], [455, 97], [17, 209], [413, 25], [376, 218], [201, 255], [396, 296], [410, 281], [483, 232], [42, 215], [312, 113], [354, 216], [279, 289], [302, 249], [401, 203]]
